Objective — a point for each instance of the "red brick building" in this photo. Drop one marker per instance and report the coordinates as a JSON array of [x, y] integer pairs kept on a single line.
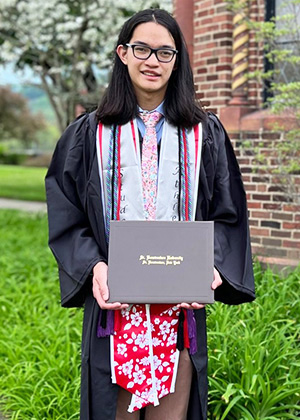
[[222, 51]]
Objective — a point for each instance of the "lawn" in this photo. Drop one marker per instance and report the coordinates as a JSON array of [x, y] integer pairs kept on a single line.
[[39, 340], [22, 182], [253, 348]]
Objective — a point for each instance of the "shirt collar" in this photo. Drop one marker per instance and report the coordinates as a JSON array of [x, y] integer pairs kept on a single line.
[[159, 108]]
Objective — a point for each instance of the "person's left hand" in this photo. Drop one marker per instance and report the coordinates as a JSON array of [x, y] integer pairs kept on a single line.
[[216, 283]]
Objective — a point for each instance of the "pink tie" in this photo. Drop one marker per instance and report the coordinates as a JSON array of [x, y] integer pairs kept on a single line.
[[149, 163]]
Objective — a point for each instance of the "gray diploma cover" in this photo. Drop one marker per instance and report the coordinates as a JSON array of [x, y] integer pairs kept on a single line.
[[161, 262]]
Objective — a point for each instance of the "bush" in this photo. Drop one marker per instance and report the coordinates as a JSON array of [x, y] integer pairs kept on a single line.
[[12, 158], [254, 350]]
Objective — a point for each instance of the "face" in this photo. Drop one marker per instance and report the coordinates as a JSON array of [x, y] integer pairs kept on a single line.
[[149, 77]]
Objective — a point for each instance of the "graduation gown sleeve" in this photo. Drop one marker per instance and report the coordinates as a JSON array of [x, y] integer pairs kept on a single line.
[[223, 200], [70, 235]]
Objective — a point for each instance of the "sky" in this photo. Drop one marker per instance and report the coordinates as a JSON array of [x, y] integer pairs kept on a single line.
[[8, 76]]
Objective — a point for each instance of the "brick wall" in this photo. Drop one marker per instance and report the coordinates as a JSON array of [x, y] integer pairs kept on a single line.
[[212, 53], [273, 202], [212, 56], [274, 214], [184, 10]]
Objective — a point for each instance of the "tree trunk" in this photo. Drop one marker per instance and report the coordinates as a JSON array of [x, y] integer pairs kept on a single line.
[[61, 120]]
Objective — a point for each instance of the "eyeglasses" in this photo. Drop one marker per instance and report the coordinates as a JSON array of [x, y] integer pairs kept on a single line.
[[142, 52]]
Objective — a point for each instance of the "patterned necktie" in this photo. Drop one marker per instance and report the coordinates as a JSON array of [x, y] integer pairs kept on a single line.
[[149, 163]]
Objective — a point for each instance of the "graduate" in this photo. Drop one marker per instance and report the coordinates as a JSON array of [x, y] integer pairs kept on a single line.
[[145, 361]]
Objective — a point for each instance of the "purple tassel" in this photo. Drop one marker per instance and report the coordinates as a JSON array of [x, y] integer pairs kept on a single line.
[[180, 331], [192, 331], [105, 331]]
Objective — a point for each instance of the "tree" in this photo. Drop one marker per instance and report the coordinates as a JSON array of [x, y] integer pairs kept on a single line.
[[66, 43], [16, 120]]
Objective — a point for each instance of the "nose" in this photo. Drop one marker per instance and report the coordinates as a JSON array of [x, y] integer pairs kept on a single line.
[[152, 60]]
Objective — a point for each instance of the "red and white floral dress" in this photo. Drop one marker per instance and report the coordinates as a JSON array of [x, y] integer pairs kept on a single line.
[[144, 357]]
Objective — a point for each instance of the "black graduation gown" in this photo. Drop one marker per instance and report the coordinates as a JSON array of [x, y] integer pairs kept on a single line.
[[77, 240]]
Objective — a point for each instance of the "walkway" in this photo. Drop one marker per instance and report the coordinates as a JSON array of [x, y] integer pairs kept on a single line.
[[35, 206]]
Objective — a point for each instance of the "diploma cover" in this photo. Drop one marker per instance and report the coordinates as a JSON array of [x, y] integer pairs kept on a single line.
[[161, 262]]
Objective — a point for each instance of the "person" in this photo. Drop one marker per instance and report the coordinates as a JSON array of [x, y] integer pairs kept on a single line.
[[98, 173]]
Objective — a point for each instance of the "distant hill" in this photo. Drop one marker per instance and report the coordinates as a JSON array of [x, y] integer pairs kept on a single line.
[[38, 101]]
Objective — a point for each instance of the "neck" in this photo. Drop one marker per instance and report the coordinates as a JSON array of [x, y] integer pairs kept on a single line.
[[150, 101]]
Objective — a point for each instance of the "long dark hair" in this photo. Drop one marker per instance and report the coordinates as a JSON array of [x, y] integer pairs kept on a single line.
[[119, 103]]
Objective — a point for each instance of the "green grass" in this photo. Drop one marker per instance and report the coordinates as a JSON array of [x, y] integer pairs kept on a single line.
[[253, 349], [23, 183], [254, 353], [39, 340]]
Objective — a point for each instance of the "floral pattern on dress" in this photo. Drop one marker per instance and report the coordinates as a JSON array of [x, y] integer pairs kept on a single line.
[[145, 355]]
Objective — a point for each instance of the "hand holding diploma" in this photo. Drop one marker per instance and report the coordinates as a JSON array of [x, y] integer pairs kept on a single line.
[[101, 291], [100, 288], [216, 283]]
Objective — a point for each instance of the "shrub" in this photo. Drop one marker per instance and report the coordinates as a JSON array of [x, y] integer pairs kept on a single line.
[[12, 158]]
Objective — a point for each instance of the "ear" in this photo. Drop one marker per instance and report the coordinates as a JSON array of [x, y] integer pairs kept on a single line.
[[175, 65], [122, 53]]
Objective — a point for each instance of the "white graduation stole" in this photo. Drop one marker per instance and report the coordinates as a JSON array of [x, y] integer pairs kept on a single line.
[[168, 189]]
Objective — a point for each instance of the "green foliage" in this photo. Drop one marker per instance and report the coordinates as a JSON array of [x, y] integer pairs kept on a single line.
[[22, 183], [39, 118], [254, 366], [253, 348], [11, 158], [39, 341], [287, 96], [237, 6], [16, 119]]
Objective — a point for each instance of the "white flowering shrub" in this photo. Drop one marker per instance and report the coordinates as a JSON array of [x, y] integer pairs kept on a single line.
[[65, 43]]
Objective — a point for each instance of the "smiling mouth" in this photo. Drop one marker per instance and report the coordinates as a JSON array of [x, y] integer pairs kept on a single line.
[[149, 73]]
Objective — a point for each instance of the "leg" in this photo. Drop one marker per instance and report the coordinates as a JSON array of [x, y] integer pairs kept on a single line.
[[124, 398], [174, 406]]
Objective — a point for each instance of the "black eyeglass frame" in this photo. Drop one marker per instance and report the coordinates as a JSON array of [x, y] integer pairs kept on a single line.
[[152, 51]]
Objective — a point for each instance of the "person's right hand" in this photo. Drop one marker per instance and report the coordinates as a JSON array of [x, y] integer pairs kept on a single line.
[[100, 288]]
